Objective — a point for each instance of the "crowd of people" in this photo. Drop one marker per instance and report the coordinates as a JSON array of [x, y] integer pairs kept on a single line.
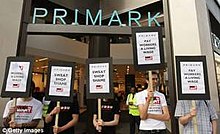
[[148, 112]]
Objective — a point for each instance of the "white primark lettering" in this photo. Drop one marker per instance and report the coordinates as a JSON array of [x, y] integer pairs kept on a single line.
[[59, 16]]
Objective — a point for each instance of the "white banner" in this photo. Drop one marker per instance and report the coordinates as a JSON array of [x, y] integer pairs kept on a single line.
[[17, 76], [99, 78], [148, 51], [60, 81], [192, 76]]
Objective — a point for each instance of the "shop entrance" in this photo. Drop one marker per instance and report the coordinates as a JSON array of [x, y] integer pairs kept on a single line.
[[95, 50], [122, 73]]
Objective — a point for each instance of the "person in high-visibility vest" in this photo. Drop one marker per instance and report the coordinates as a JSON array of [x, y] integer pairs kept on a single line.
[[133, 111]]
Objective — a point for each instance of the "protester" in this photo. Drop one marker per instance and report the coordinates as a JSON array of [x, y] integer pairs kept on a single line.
[[153, 109], [27, 112], [68, 117], [204, 112], [110, 112]]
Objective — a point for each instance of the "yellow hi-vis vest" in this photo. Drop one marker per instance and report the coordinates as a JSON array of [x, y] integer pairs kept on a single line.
[[133, 109]]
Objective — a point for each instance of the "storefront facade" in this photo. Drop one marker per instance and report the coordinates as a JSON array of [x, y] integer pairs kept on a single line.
[[186, 25], [215, 36]]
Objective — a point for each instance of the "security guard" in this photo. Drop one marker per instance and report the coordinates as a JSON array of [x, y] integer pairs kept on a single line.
[[134, 115]]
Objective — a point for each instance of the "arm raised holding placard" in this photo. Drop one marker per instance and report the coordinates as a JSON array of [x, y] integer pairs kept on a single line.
[[68, 117], [110, 116], [152, 106], [27, 112], [204, 113]]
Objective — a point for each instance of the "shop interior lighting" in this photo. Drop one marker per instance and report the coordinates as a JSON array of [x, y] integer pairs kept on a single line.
[[43, 59], [44, 67]]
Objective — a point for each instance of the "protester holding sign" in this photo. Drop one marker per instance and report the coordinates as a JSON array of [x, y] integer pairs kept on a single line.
[[28, 112], [68, 114], [153, 109], [204, 112], [110, 111]]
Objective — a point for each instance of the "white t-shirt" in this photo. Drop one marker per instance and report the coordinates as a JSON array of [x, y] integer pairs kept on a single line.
[[155, 108], [26, 110]]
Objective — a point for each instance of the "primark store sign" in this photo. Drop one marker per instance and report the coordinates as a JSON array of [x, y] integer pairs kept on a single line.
[[60, 15]]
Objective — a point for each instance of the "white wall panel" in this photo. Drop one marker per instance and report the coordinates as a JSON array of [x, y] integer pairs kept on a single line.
[[10, 13]]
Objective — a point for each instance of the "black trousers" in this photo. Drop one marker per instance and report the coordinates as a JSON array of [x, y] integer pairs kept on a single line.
[[134, 120], [152, 131]]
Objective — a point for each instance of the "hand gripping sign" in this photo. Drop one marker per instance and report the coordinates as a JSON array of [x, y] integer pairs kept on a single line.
[[192, 80], [99, 78], [99, 81], [60, 83], [148, 50]]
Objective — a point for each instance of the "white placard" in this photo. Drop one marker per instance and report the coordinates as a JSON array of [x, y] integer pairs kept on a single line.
[[148, 51], [17, 77], [99, 78], [192, 78], [60, 81]]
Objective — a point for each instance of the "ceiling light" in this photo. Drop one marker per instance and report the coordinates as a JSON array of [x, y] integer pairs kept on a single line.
[[44, 67], [43, 59]]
